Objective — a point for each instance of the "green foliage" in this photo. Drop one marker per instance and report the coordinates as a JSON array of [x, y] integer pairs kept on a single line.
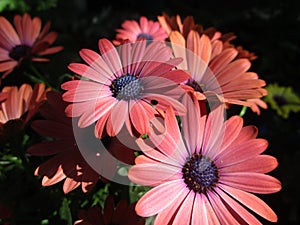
[[65, 212], [282, 99], [25, 6]]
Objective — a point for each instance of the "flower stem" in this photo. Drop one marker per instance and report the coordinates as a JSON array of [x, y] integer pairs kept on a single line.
[[243, 111]]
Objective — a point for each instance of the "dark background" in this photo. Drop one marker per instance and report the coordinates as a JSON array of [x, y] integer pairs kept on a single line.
[[271, 29]]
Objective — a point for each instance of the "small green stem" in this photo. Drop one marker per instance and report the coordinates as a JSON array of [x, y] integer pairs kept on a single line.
[[39, 77], [243, 111]]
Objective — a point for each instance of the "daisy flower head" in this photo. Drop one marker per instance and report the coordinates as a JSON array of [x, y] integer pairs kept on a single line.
[[132, 30], [218, 40], [217, 70], [128, 85], [121, 214], [66, 162], [18, 106], [211, 177], [27, 40]]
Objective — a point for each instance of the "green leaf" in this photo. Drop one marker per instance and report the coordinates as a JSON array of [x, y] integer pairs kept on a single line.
[[137, 191], [282, 99], [65, 212]]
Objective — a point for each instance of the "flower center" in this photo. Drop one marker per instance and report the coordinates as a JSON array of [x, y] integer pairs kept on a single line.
[[19, 52], [280, 100], [192, 83], [147, 36], [126, 87], [200, 173]]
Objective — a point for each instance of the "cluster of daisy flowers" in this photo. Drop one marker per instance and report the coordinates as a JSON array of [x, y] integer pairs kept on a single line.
[[153, 101]]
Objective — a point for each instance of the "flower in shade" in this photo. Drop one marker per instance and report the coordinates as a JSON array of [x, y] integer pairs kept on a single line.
[[128, 85], [27, 41], [171, 23], [282, 99], [217, 71], [99, 158], [18, 106], [122, 214], [67, 162], [209, 175], [132, 30]]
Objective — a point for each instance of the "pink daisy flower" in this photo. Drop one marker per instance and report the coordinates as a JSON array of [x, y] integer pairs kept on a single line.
[[215, 72], [24, 42], [207, 176], [76, 170], [128, 85], [132, 30], [19, 106]]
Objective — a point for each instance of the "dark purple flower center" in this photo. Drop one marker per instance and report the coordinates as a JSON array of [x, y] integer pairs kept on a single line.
[[192, 83], [200, 173], [126, 87], [280, 100], [146, 36], [20, 52]]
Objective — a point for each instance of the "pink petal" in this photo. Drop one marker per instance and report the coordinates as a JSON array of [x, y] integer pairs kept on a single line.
[[96, 111], [242, 212], [4, 66], [90, 73], [214, 132], [251, 182], [201, 47], [153, 174], [258, 164], [233, 70], [252, 202], [203, 213], [8, 36], [160, 197], [185, 210], [141, 114], [81, 90], [168, 142], [192, 124], [165, 101], [70, 185], [118, 118], [110, 56], [222, 60], [221, 211], [179, 49], [233, 127], [97, 63], [241, 152], [51, 50], [59, 176], [35, 29]]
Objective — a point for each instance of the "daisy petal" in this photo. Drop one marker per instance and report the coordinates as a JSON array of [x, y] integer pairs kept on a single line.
[[160, 197], [252, 202]]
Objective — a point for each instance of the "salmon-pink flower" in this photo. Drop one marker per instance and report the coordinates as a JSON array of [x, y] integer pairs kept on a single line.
[[215, 72], [27, 41], [128, 85], [121, 214], [67, 145], [132, 30], [219, 40], [209, 176], [19, 106], [67, 162]]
